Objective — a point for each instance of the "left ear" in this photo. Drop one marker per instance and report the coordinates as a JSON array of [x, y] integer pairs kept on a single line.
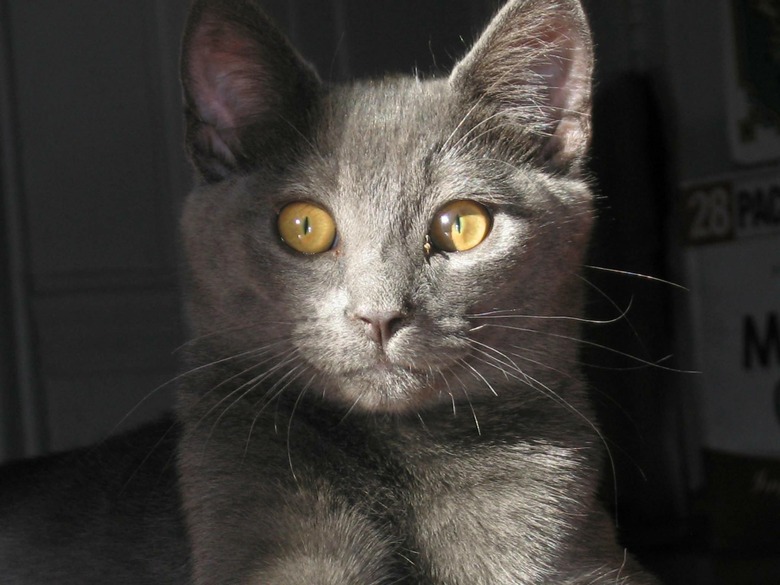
[[247, 93], [533, 67]]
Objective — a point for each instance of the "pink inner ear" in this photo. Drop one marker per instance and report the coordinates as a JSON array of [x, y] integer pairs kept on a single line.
[[566, 74], [560, 67], [228, 77], [566, 71], [558, 61]]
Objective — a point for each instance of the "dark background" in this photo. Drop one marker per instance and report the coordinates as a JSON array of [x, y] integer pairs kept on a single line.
[[93, 175]]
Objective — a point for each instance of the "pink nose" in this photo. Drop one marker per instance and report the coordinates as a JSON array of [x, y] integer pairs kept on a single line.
[[381, 325]]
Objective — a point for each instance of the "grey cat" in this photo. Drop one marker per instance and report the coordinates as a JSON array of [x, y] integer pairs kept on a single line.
[[384, 298]]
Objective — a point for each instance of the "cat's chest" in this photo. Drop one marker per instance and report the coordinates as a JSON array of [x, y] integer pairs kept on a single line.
[[460, 503], [443, 503], [512, 502]]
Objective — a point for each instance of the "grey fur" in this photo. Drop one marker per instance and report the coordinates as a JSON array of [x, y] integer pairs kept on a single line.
[[462, 449]]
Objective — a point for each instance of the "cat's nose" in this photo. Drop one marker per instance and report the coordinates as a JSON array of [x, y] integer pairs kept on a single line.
[[381, 325]]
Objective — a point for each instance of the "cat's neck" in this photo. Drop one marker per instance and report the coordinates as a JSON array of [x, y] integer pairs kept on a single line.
[[515, 411]]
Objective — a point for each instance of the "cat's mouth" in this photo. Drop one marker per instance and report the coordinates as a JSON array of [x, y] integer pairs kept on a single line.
[[413, 369], [387, 369], [389, 386]]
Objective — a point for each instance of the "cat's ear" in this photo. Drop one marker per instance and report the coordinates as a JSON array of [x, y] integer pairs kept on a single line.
[[532, 69], [246, 90]]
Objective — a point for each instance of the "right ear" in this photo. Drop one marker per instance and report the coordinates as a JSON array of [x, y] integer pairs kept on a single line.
[[532, 67], [246, 90]]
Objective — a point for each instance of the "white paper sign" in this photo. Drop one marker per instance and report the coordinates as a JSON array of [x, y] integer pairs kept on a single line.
[[732, 226]]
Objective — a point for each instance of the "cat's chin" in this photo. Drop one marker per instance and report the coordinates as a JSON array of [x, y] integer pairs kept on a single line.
[[388, 388]]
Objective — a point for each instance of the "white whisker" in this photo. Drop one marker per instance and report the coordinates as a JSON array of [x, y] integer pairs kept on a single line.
[[245, 389], [182, 375], [511, 313], [468, 399], [276, 391], [655, 364], [289, 429], [480, 377], [638, 275]]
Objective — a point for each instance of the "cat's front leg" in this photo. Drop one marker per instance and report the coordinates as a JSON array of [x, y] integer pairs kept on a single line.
[[517, 514], [269, 530], [341, 549], [327, 542]]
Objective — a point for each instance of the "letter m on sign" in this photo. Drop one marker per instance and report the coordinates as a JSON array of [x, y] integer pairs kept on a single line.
[[760, 346]]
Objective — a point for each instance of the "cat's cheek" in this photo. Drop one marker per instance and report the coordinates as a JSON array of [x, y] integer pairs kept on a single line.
[[320, 331], [232, 287]]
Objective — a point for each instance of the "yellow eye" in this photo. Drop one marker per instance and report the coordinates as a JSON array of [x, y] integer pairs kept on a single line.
[[307, 228], [460, 225]]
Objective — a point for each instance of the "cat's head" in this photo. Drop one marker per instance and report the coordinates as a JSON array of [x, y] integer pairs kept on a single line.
[[393, 243]]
